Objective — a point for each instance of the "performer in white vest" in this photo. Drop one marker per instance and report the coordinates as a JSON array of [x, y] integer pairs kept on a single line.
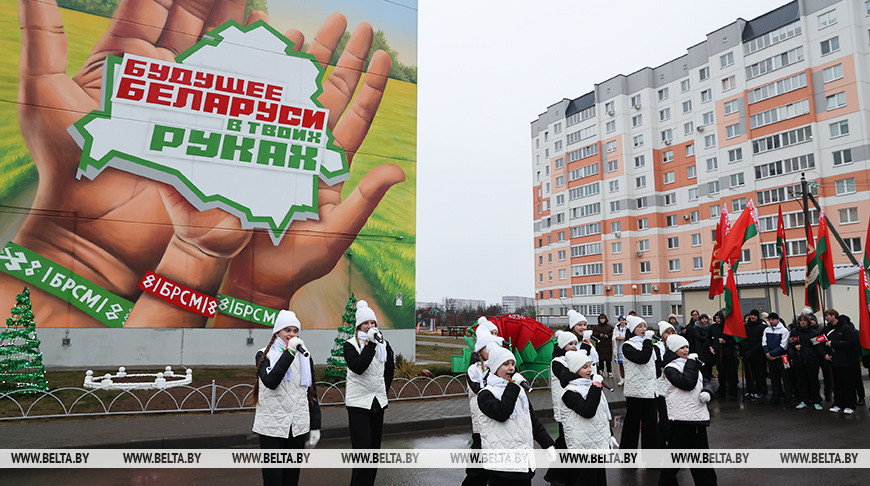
[[370, 368], [476, 379], [559, 378], [286, 397], [687, 397], [587, 417], [663, 356], [640, 387], [508, 420]]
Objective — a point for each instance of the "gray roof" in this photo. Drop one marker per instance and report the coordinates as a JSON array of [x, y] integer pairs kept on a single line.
[[771, 21], [771, 277], [579, 104]]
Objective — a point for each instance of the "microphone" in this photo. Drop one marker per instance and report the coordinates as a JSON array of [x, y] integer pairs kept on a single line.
[[605, 385], [379, 337], [300, 348], [526, 386]]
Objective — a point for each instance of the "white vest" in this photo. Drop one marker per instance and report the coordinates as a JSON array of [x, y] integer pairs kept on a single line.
[[685, 405], [284, 409], [556, 391], [472, 403], [661, 382], [584, 433], [514, 433], [360, 390], [640, 379]]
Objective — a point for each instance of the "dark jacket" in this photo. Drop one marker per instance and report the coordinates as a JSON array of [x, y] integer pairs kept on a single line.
[[273, 378], [702, 342], [604, 334], [718, 331], [845, 349], [751, 347], [688, 332], [810, 352]]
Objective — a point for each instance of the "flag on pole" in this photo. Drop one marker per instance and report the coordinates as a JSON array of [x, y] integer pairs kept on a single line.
[[717, 282], [733, 315], [744, 228], [784, 280], [864, 318], [825, 254], [811, 282]]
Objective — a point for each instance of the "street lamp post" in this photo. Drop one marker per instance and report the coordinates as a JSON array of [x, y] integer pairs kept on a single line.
[[634, 296]]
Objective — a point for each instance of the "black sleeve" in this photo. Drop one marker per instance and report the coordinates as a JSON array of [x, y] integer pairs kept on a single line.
[[641, 356], [585, 407], [274, 377], [389, 368], [313, 403], [688, 379], [359, 362], [496, 409], [539, 432], [659, 364], [562, 374]]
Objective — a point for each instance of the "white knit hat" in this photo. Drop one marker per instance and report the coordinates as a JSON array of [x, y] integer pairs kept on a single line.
[[286, 319], [576, 360], [485, 339], [484, 323], [498, 357], [807, 311], [632, 322], [574, 318], [364, 313], [664, 326], [564, 338], [676, 342]]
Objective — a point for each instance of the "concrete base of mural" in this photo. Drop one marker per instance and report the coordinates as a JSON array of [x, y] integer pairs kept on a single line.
[[93, 348]]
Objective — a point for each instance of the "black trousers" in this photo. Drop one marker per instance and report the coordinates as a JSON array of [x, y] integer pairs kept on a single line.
[[587, 477], [287, 476], [780, 383], [844, 386], [476, 476], [664, 426], [500, 478], [756, 375], [640, 418], [827, 378], [607, 363], [366, 431], [807, 383], [555, 474], [688, 436], [727, 369]]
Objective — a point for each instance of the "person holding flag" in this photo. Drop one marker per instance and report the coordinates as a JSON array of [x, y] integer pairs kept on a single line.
[[784, 277], [811, 281], [824, 250], [717, 282], [844, 353]]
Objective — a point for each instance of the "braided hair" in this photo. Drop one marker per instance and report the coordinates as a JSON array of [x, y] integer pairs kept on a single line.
[[260, 365]]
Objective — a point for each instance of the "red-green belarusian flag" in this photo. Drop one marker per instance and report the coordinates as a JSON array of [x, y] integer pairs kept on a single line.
[[825, 253], [811, 282], [717, 274], [784, 280], [746, 227], [733, 315]]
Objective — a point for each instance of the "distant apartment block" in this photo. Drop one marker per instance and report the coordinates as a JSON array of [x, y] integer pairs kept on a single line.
[[451, 304], [510, 303], [629, 179]]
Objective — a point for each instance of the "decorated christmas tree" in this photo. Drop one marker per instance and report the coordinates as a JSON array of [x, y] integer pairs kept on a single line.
[[21, 365], [335, 365]]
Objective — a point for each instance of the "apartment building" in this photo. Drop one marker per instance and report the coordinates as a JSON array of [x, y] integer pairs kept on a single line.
[[510, 303], [629, 179]]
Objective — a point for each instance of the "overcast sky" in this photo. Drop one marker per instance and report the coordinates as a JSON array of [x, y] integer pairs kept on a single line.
[[487, 69]]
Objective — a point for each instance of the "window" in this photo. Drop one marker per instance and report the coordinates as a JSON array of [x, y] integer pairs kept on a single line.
[[714, 214], [774, 37], [737, 179], [685, 85], [673, 242], [786, 166], [612, 166], [745, 256], [667, 156], [690, 150], [587, 269], [840, 128], [845, 186], [557, 146], [562, 255], [728, 83], [697, 263], [692, 172], [842, 157], [617, 269], [560, 181], [704, 73], [609, 106], [830, 45], [833, 73], [687, 106], [560, 199], [688, 128], [732, 106], [669, 177], [665, 114], [614, 185], [776, 62], [557, 128], [560, 162], [667, 135], [780, 113], [641, 202], [561, 236], [610, 126], [676, 308], [637, 141], [616, 247], [610, 146], [671, 221], [643, 245], [694, 216], [777, 88], [560, 218], [670, 199], [827, 18], [709, 141], [639, 161], [540, 277], [646, 289], [780, 194], [738, 204], [640, 182], [615, 226], [853, 244], [642, 223], [693, 194], [674, 265], [646, 310], [551, 279], [645, 268], [784, 139], [637, 120], [706, 96], [586, 230], [713, 187], [587, 249], [732, 131], [615, 206], [712, 164], [726, 60], [696, 239], [563, 274], [617, 292], [635, 100], [735, 155], [708, 118], [581, 172], [664, 94], [848, 215]]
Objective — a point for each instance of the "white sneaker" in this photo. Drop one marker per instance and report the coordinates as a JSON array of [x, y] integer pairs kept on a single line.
[[834, 409], [610, 374], [620, 383], [848, 411]]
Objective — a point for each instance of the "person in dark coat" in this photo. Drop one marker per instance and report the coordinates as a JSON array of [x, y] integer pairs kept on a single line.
[[688, 331], [806, 353], [826, 326], [844, 353], [724, 347], [700, 332], [754, 364], [603, 331]]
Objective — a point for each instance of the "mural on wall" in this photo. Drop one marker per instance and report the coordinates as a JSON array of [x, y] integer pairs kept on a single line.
[[206, 164]]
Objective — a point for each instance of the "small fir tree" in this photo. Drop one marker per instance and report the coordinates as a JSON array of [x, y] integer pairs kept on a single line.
[[335, 366], [21, 366]]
